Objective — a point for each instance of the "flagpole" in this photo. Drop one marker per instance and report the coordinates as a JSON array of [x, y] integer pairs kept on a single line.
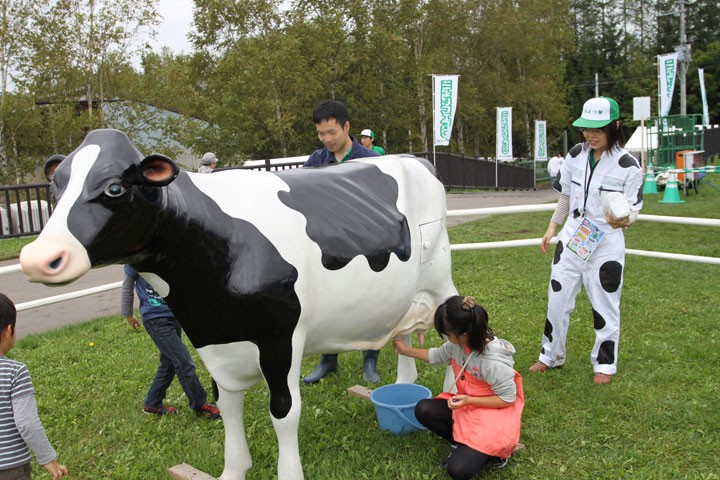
[[432, 79], [659, 87]]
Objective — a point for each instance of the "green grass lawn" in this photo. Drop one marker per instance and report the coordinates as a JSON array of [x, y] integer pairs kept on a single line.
[[659, 419], [10, 247]]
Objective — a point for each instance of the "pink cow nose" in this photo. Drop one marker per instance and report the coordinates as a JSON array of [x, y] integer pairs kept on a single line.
[[43, 263], [52, 266], [50, 261]]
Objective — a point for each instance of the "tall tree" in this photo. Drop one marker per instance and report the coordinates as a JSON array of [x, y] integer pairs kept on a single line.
[[14, 23], [76, 43]]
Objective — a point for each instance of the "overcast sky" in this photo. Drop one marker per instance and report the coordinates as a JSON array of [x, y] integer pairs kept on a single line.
[[172, 32]]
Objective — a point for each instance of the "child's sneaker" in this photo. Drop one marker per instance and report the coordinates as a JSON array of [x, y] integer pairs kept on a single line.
[[161, 410], [444, 462], [209, 411], [498, 462]]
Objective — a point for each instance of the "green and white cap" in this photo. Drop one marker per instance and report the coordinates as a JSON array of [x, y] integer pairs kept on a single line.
[[597, 113], [367, 133]]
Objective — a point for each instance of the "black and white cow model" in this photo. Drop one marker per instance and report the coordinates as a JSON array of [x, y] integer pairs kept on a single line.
[[260, 268]]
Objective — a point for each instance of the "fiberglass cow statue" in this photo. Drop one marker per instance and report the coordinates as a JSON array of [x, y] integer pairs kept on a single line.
[[260, 268]]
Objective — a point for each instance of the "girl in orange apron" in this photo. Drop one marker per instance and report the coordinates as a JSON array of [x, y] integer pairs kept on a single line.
[[482, 419]]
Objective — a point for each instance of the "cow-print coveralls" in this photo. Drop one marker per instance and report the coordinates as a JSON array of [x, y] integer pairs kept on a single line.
[[602, 273]]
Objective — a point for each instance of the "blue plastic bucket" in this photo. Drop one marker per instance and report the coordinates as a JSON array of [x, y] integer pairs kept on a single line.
[[395, 406]]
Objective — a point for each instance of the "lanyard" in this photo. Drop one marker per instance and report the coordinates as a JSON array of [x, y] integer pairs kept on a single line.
[[586, 187], [463, 367]]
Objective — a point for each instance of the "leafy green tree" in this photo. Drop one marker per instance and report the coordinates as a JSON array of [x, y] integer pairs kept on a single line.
[[78, 44], [14, 22]]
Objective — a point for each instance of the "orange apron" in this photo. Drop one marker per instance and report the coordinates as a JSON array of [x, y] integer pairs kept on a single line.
[[492, 431]]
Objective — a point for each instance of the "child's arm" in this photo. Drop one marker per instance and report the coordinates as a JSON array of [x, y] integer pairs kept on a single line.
[[402, 349], [28, 423]]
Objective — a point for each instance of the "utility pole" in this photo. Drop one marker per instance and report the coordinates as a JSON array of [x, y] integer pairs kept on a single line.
[[597, 85], [684, 57]]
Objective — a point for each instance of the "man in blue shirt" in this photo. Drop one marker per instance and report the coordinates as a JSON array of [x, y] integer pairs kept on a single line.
[[332, 122]]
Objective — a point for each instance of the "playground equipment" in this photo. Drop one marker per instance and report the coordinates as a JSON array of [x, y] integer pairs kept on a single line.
[[673, 134]]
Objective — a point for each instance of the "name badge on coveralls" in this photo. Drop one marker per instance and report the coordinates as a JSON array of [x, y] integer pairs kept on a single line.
[[586, 239]]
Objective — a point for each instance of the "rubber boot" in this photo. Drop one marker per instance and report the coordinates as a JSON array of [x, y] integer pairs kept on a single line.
[[328, 364], [370, 373]]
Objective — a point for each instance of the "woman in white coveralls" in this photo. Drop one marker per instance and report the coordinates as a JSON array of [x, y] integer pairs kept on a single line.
[[600, 187]]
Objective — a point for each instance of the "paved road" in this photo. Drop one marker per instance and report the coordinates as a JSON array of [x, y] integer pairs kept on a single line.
[[41, 319]]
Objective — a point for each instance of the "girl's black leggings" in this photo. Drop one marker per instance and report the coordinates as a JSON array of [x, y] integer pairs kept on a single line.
[[464, 462]]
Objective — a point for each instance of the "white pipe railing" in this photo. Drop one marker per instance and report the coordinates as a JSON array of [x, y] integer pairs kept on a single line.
[[10, 269], [66, 296], [472, 212], [530, 242], [711, 222], [546, 207]]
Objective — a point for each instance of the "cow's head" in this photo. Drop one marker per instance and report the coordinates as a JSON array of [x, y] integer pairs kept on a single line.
[[103, 190]]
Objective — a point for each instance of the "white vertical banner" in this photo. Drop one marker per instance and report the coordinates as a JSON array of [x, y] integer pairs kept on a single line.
[[667, 66], [706, 111], [540, 141], [445, 88], [503, 148]]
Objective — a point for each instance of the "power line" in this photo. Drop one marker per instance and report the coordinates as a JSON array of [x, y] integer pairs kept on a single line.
[[621, 80]]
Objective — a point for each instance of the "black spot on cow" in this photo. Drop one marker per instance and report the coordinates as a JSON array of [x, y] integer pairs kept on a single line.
[[598, 320], [555, 285], [628, 161], [610, 276], [575, 151], [259, 303], [606, 353], [548, 330], [351, 209], [558, 251]]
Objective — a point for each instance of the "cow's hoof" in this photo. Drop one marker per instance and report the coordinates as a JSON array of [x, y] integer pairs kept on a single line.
[[327, 365]]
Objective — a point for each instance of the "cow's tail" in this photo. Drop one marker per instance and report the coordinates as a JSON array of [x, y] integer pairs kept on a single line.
[[215, 391]]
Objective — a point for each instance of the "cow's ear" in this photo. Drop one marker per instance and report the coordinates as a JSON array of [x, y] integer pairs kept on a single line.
[[158, 170], [51, 164]]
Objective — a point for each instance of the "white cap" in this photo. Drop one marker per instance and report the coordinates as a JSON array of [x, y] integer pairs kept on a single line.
[[367, 133], [208, 159]]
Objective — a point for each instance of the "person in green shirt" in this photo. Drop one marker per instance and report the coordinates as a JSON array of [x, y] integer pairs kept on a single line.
[[367, 137]]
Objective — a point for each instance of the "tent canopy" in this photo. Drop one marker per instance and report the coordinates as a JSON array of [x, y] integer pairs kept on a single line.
[[634, 144]]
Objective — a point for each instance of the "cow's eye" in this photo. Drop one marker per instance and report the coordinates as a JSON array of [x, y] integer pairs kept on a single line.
[[114, 190]]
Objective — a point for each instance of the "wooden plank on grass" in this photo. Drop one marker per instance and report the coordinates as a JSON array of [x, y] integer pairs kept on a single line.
[[360, 392], [183, 471]]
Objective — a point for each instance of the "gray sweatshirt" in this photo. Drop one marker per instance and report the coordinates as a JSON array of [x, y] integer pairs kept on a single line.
[[495, 365]]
